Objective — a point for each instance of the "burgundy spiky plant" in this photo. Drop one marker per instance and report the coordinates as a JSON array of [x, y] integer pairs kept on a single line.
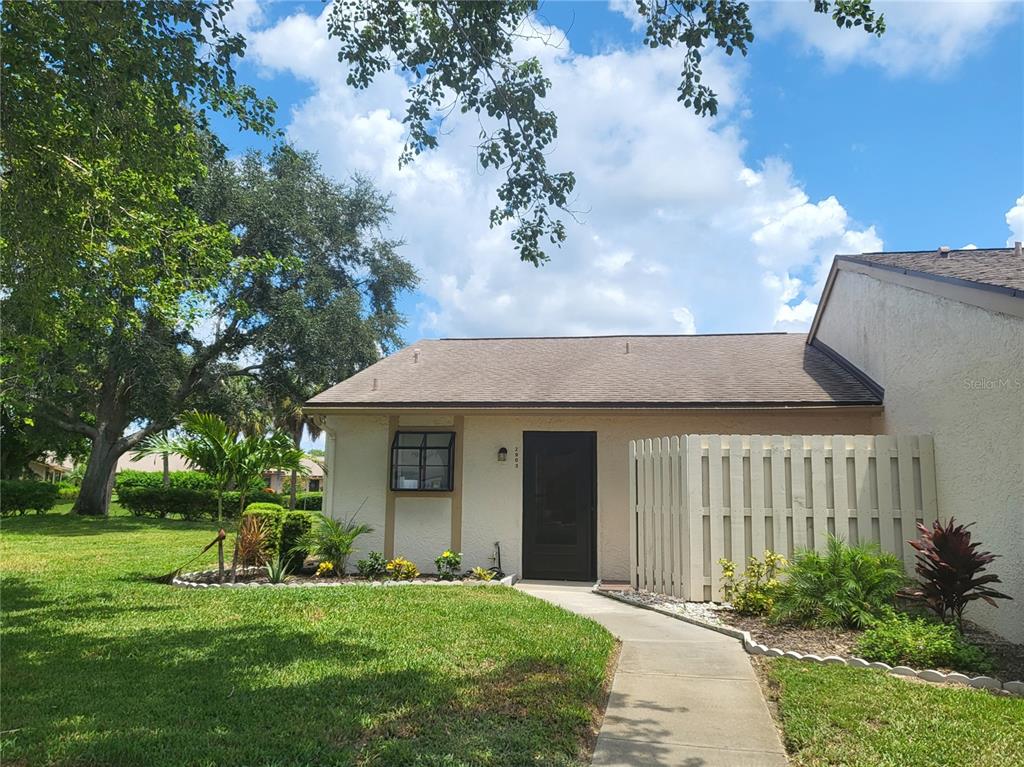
[[950, 568]]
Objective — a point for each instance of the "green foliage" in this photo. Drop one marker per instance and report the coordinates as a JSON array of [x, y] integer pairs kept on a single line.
[[353, 662], [25, 438], [189, 480], [295, 525], [834, 716], [950, 567], [448, 565], [277, 570], [332, 540], [847, 587], [753, 593], [466, 57], [374, 567], [272, 517], [902, 640], [18, 496], [482, 574], [309, 501], [227, 458], [251, 541], [166, 501], [67, 491], [401, 569]]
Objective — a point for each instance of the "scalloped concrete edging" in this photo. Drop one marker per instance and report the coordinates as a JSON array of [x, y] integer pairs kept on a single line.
[[189, 581], [754, 648]]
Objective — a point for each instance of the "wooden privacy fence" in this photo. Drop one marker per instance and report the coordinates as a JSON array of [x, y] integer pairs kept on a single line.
[[700, 497]]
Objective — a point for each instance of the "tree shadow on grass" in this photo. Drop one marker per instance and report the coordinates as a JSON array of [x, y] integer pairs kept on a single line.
[[74, 526], [255, 694]]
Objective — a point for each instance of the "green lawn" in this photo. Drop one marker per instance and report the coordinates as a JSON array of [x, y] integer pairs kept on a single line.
[[101, 667], [860, 718]]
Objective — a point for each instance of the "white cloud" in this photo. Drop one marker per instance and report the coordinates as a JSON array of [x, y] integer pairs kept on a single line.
[[920, 37], [1015, 220], [677, 234], [628, 9]]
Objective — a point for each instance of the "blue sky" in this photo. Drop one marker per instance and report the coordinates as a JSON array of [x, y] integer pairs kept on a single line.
[[827, 142]]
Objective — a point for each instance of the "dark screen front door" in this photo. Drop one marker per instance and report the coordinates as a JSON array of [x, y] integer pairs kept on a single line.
[[560, 505]]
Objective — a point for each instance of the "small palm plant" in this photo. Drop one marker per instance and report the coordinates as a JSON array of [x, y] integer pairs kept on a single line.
[[332, 540], [846, 587]]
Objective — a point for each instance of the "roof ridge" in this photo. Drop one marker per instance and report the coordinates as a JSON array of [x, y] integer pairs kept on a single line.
[[613, 335]]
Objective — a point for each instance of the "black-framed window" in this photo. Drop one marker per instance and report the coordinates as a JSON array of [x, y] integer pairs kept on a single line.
[[422, 460]]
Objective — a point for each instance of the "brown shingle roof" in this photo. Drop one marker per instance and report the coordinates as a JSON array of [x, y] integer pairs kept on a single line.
[[998, 267], [756, 370]]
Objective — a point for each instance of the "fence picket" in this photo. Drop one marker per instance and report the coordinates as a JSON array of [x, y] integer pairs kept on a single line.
[[695, 517], [780, 539], [668, 486], [757, 500], [633, 564], [818, 492]]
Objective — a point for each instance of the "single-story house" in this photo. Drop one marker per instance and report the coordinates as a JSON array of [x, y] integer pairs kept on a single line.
[[522, 443], [49, 468], [942, 333], [312, 482]]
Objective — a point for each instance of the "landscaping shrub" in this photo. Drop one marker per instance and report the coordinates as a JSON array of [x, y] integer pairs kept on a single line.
[[401, 569], [374, 567], [67, 491], [285, 529], [753, 593], [188, 480], [309, 501], [448, 565], [846, 587], [143, 501], [332, 540], [482, 574], [251, 540], [901, 640], [294, 526], [272, 517], [950, 567], [18, 496]]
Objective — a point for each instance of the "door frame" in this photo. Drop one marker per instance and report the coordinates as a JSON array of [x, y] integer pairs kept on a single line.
[[592, 435]]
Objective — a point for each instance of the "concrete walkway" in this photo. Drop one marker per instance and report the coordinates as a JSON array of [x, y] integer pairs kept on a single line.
[[682, 695]]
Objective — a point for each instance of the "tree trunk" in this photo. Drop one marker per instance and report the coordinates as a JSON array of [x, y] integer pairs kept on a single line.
[[292, 498], [167, 469], [98, 480]]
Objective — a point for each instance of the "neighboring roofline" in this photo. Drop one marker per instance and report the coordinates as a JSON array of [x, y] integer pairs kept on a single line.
[[324, 408], [613, 335], [876, 388], [993, 298]]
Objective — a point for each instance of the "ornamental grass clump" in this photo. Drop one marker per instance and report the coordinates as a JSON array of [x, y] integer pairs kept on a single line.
[[847, 587], [950, 568], [448, 565], [753, 592]]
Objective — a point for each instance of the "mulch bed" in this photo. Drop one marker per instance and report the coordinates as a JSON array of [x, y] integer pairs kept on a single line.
[[1007, 656]]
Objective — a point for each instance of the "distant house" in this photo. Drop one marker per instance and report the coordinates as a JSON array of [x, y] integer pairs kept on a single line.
[[462, 443], [313, 482], [152, 463], [50, 469]]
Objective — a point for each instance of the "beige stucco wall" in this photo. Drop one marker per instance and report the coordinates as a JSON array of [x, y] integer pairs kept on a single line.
[[356, 457], [492, 491], [955, 371]]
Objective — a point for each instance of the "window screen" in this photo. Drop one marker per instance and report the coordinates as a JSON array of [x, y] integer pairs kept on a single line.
[[422, 460]]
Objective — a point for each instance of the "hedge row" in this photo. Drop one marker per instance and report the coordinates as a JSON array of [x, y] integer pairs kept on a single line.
[[18, 496], [309, 501], [188, 480], [186, 503], [284, 528]]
